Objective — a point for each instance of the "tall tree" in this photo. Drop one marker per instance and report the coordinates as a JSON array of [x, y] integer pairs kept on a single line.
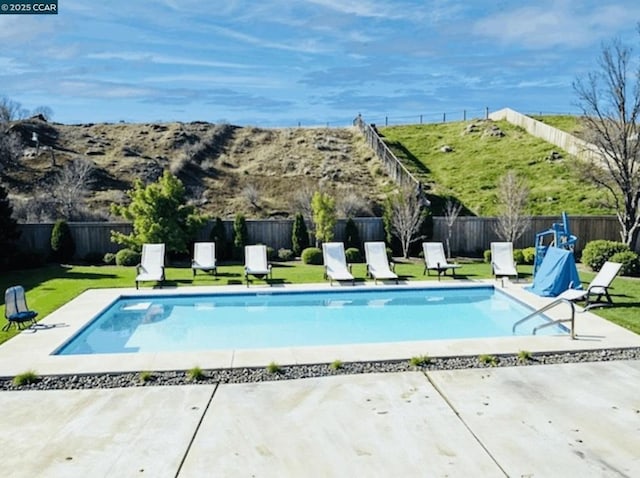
[[513, 197], [610, 101], [159, 214]]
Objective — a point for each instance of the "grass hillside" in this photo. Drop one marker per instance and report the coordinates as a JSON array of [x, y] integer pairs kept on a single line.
[[467, 159], [226, 169]]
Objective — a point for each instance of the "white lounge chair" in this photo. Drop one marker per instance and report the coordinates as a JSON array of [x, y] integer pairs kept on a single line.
[[435, 259], [598, 288], [151, 267], [204, 257], [335, 263], [502, 263], [15, 309], [255, 262], [375, 254]]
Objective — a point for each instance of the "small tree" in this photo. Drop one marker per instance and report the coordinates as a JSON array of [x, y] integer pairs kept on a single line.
[[324, 216], [9, 232], [452, 210], [240, 235], [218, 235], [351, 235], [159, 214], [404, 215], [63, 246], [299, 235], [513, 196]]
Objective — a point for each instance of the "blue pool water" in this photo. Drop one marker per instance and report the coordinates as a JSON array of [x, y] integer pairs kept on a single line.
[[297, 319]]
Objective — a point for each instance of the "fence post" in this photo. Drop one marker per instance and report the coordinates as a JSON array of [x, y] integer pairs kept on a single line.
[[444, 117], [464, 115]]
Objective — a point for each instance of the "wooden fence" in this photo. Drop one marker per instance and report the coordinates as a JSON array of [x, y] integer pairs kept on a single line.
[[469, 236], [398, 172]]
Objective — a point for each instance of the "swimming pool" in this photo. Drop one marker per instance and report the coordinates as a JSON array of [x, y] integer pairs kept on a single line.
[[254, 320]]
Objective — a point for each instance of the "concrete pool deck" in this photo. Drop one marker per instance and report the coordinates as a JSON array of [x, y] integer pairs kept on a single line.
[[578, 419], [31, 350]]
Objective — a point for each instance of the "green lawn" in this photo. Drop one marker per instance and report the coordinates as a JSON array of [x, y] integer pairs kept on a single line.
[[472, 171], [50, 287]]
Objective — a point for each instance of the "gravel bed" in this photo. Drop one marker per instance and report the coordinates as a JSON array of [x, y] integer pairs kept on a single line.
[[291, 372]]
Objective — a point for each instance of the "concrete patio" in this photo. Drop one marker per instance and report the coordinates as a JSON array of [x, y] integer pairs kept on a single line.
[[549, 420]]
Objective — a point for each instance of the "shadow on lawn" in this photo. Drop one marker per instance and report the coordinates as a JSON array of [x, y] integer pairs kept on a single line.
[[31, 278]]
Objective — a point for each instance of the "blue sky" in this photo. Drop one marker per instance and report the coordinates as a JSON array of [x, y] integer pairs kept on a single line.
[[308, 62]]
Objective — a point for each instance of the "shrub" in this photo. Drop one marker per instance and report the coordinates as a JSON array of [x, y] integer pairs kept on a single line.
[[109, 258], [353, 255], [336, 365], [62, 245], [286, 255], [518, 256], [25, 378], [630, 262], [273, 368], [218, 235], [127, 257], [240, 235], [299, 235], [351, 235], [419, 360], [312, 255], [487, 256], [596, 253], [529, 255], [195, 374], [271, 253]]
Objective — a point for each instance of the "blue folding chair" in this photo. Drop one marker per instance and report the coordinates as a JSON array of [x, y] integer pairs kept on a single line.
[[16, 310]]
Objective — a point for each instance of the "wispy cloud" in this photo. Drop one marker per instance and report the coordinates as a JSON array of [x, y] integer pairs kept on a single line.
[[162, 59], [559, 23]]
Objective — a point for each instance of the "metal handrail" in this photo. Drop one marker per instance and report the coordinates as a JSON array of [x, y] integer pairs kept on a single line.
[[553, 322]]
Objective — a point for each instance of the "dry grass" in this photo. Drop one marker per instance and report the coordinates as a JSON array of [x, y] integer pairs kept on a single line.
[[218, 163]]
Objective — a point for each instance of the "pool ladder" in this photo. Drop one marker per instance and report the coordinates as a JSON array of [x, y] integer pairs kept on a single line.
[[553, 322]]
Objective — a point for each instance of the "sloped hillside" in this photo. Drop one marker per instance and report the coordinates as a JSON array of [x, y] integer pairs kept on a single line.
[[467, 160], [226, 169]]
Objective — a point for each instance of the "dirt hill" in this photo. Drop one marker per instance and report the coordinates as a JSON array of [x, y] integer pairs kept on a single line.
[[226, 169]]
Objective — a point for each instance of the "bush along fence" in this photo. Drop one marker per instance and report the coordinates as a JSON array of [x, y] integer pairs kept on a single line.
[[470, 236]]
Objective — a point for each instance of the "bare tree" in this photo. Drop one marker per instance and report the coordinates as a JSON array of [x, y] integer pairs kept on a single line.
[[452, 210], [71, 186], [10, 148], [11, 110], [252, 196], [513, 196], [44, 111], [404, 215], [351, 204], [302, 202], [610, 101]]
